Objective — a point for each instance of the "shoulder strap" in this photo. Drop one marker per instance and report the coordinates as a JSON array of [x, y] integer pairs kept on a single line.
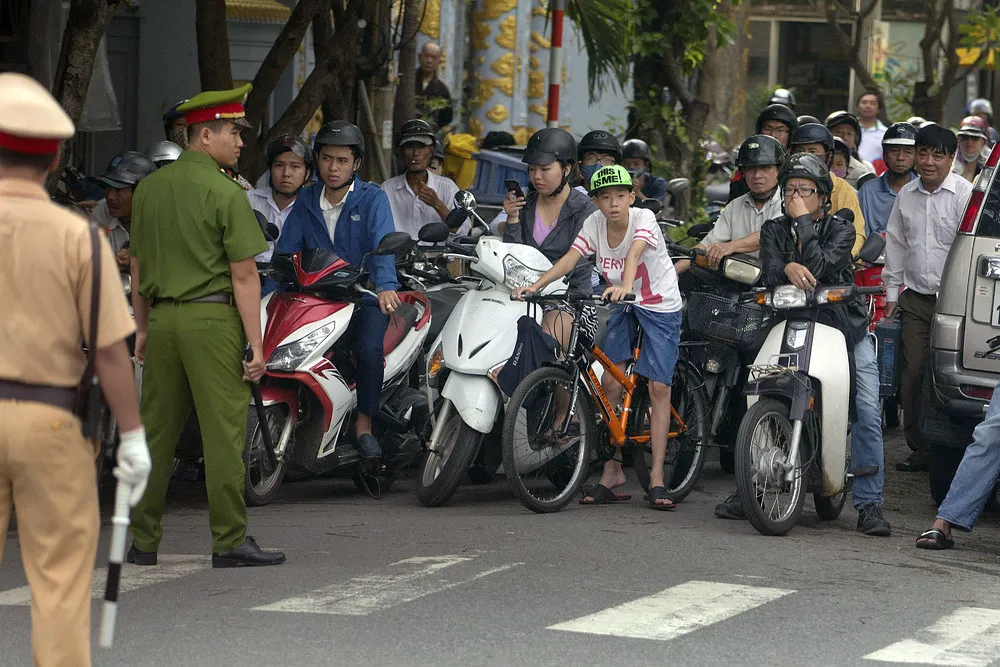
[[95, 304]]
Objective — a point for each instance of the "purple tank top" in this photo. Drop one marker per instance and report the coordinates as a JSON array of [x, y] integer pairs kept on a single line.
[[540, 230]]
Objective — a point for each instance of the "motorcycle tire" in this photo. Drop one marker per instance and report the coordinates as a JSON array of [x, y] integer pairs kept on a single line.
[[441, 473], [260, 482], [747, 474], [564, 472], [690, 449], [829, 508]]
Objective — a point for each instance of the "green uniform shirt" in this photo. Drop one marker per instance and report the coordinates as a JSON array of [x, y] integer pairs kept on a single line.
[[189, 222]]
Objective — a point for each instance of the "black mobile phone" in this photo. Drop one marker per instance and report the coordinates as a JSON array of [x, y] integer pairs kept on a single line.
[[513, 186]]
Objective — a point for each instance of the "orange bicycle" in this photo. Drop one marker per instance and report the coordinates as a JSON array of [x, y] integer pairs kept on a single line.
[[551, 434]]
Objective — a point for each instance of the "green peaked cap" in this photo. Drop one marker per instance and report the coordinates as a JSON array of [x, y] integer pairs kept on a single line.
[[217, 105], [613, 175]]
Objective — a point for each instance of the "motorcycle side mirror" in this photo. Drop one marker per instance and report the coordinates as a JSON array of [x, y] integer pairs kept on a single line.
[[676, 186], [456, 218], [465, 200], [699, 231], [394, 243], [650, 205], [872, 249], [434, 232], [269, 230]]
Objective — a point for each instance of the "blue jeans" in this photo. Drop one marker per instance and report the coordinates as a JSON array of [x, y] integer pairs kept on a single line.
[[369, 325], [866, 432], [977, 474]]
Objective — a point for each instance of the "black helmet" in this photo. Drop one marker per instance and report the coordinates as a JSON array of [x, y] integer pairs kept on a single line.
[[548, 145], [599, 141], [760, 150], [807, 119], [164, 152], [900, 134], [812, 133], [844, 118], [780, 113], [340, 133], [636, 148], [126, 169], [808, 166], [415, 131], [980, 105], [170, 115], [840, 146], [783, 96], [294, 144]]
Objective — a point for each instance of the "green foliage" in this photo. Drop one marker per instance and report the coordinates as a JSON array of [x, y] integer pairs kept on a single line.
[[897, 90], [607, 28]]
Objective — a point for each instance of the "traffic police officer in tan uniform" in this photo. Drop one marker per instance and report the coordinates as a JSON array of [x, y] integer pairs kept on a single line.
[[46, 466], [194, 237]]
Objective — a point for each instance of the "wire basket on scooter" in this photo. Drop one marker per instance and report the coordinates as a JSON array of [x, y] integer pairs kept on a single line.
[[718, 319]]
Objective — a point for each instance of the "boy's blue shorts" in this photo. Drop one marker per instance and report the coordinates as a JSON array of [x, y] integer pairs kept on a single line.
[[659, 349]]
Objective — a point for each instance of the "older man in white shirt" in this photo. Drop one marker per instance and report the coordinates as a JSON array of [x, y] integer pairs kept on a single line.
[[738, 228], [921, 228], [419, 196], [290, 164]]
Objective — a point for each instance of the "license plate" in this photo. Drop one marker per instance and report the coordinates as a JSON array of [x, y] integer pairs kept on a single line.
[[995, 317]]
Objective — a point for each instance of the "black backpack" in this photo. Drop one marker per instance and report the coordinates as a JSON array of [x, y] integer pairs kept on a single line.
[[533, 349]]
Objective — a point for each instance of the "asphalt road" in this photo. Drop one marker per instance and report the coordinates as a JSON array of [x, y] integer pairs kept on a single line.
[[484, 582]]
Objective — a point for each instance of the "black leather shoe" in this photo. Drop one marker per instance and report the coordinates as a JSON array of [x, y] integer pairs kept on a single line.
[[731, 508], [915, 462], [248, 554], [140, 557]]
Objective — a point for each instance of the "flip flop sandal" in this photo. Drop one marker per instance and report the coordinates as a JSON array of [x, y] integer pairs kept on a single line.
[[934, 540], [660, 493], [601, 495]]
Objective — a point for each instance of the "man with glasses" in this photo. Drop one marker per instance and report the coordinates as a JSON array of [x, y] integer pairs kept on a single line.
[[919, 234], [777, 121]]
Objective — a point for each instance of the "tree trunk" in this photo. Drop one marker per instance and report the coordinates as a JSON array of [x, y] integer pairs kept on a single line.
[[406, 96], [723, 79], [213, 45], [85, 27], [322, 34]]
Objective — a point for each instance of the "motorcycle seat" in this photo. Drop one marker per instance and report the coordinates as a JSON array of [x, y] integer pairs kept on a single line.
[[400, 324], [443, 301]]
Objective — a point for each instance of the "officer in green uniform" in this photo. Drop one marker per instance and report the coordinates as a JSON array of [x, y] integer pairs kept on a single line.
[[194, 237]]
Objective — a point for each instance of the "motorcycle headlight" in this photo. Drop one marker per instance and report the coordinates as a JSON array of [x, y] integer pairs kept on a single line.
[[788, 296], [516, 274], [287, 357], [741, 272]]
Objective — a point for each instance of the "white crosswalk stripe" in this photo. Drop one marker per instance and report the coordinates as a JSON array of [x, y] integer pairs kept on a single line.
[[134, 577], [403, 581], [967, 637], [675, 611]]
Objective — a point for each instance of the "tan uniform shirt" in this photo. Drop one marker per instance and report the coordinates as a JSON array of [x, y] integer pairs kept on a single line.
[[45, 271]]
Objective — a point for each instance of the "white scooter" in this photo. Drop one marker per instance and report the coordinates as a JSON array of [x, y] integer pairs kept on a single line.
[[475, 343], [794, 437]]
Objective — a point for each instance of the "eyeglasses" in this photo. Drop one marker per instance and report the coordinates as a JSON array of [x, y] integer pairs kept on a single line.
[[591, 160], [777, 129], [802, 192]]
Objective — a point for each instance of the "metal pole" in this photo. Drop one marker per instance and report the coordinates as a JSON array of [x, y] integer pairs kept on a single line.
[[556, 60], [366, 108]]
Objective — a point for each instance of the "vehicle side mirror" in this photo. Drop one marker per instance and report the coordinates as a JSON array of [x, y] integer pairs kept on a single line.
[[434, 232], [465, 200], [394, 243], [266, 227], [676, 186], [699, 231], [650, 205], [456, 218], [872, 249]]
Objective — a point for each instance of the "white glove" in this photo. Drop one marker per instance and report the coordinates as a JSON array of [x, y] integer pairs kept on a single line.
[[133, 463]]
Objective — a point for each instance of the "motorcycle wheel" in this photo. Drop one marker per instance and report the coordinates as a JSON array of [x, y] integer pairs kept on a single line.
[[764, 437], [686, 453], [546, 472], [442, 470], [261, 481], [829, 508]]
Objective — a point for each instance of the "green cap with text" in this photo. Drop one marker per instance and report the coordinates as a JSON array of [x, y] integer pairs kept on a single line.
[[612, 176]]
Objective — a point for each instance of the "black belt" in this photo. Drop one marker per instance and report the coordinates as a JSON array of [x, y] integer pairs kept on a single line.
[[932, 297], [60, 397], [223, 298]]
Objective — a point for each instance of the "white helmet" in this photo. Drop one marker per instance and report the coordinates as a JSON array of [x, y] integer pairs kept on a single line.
[[163, 152]]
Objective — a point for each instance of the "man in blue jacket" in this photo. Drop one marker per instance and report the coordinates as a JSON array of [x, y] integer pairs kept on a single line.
[[347, 216]]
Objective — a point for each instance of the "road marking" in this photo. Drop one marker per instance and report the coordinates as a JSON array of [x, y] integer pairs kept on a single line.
[[403, 581], [967, 637], [134, 577], [675, 611]]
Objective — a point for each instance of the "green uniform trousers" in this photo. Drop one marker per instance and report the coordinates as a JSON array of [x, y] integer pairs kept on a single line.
[[194, 354]]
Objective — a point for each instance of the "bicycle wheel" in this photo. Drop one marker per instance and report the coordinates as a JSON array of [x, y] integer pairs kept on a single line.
[[546, 469], [687, 452], [772, 503]]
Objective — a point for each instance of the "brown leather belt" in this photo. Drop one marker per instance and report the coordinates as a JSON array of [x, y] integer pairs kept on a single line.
[[223, 298], [59, 397]]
